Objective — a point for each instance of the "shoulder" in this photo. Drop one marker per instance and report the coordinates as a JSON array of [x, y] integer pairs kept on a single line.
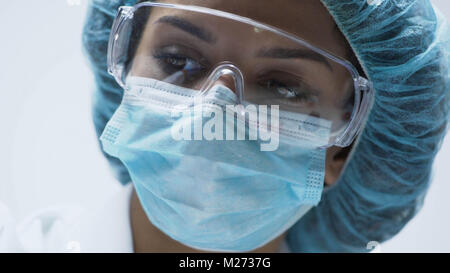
[[42, 231], [102, 228]]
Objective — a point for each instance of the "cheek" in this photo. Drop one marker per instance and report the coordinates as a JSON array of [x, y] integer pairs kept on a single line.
[[333, 166]]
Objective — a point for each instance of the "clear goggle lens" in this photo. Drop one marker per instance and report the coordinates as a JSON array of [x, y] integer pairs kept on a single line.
[[184, 47]]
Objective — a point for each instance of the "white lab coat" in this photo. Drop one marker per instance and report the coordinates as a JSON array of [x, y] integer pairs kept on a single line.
[[73, 229]]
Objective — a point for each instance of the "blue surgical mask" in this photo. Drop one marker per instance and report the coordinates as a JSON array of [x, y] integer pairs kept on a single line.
[[213, 195]]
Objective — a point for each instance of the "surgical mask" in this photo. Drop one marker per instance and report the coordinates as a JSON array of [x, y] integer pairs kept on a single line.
[[214, 195]]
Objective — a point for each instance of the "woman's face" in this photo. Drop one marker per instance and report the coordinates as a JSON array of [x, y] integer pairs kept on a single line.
[[217, 40]]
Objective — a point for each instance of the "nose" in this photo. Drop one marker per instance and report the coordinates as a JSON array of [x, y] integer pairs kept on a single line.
[[228, 81], [229, 75]]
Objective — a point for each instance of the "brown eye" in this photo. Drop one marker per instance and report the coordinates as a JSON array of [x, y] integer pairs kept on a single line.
[[176, 62], [177, 58], [291, 94], [282, 89], [171, 63]]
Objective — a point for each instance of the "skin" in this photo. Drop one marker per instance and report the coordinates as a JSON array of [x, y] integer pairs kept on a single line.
[[293, 16]]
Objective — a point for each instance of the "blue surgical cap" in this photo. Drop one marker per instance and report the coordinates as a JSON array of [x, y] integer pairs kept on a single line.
[[108, 93], [403, 46]]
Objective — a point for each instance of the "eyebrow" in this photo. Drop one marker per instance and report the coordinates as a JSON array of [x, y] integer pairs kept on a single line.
[[285, 53], [188, 27], [278, 53]]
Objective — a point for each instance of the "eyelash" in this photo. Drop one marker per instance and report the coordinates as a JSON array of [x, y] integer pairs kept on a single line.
[[297, 94], [167, 60]]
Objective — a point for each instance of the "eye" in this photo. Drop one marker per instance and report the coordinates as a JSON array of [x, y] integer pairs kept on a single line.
[[172, 63], [176, 62], [281, 88], [179, 65], [291, 93]]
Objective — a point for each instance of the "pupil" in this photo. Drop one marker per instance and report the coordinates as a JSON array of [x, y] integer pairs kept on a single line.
[[177, 62]]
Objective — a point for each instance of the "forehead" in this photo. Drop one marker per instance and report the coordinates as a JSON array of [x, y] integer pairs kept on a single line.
[[308, 19]]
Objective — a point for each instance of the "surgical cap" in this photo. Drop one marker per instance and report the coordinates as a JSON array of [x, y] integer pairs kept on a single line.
[[402, 45]]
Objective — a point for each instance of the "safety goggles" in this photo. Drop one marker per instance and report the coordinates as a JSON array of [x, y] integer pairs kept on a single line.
[[196, 47]]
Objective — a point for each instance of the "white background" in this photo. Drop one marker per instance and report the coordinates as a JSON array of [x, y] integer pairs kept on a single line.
[[48, 149]]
